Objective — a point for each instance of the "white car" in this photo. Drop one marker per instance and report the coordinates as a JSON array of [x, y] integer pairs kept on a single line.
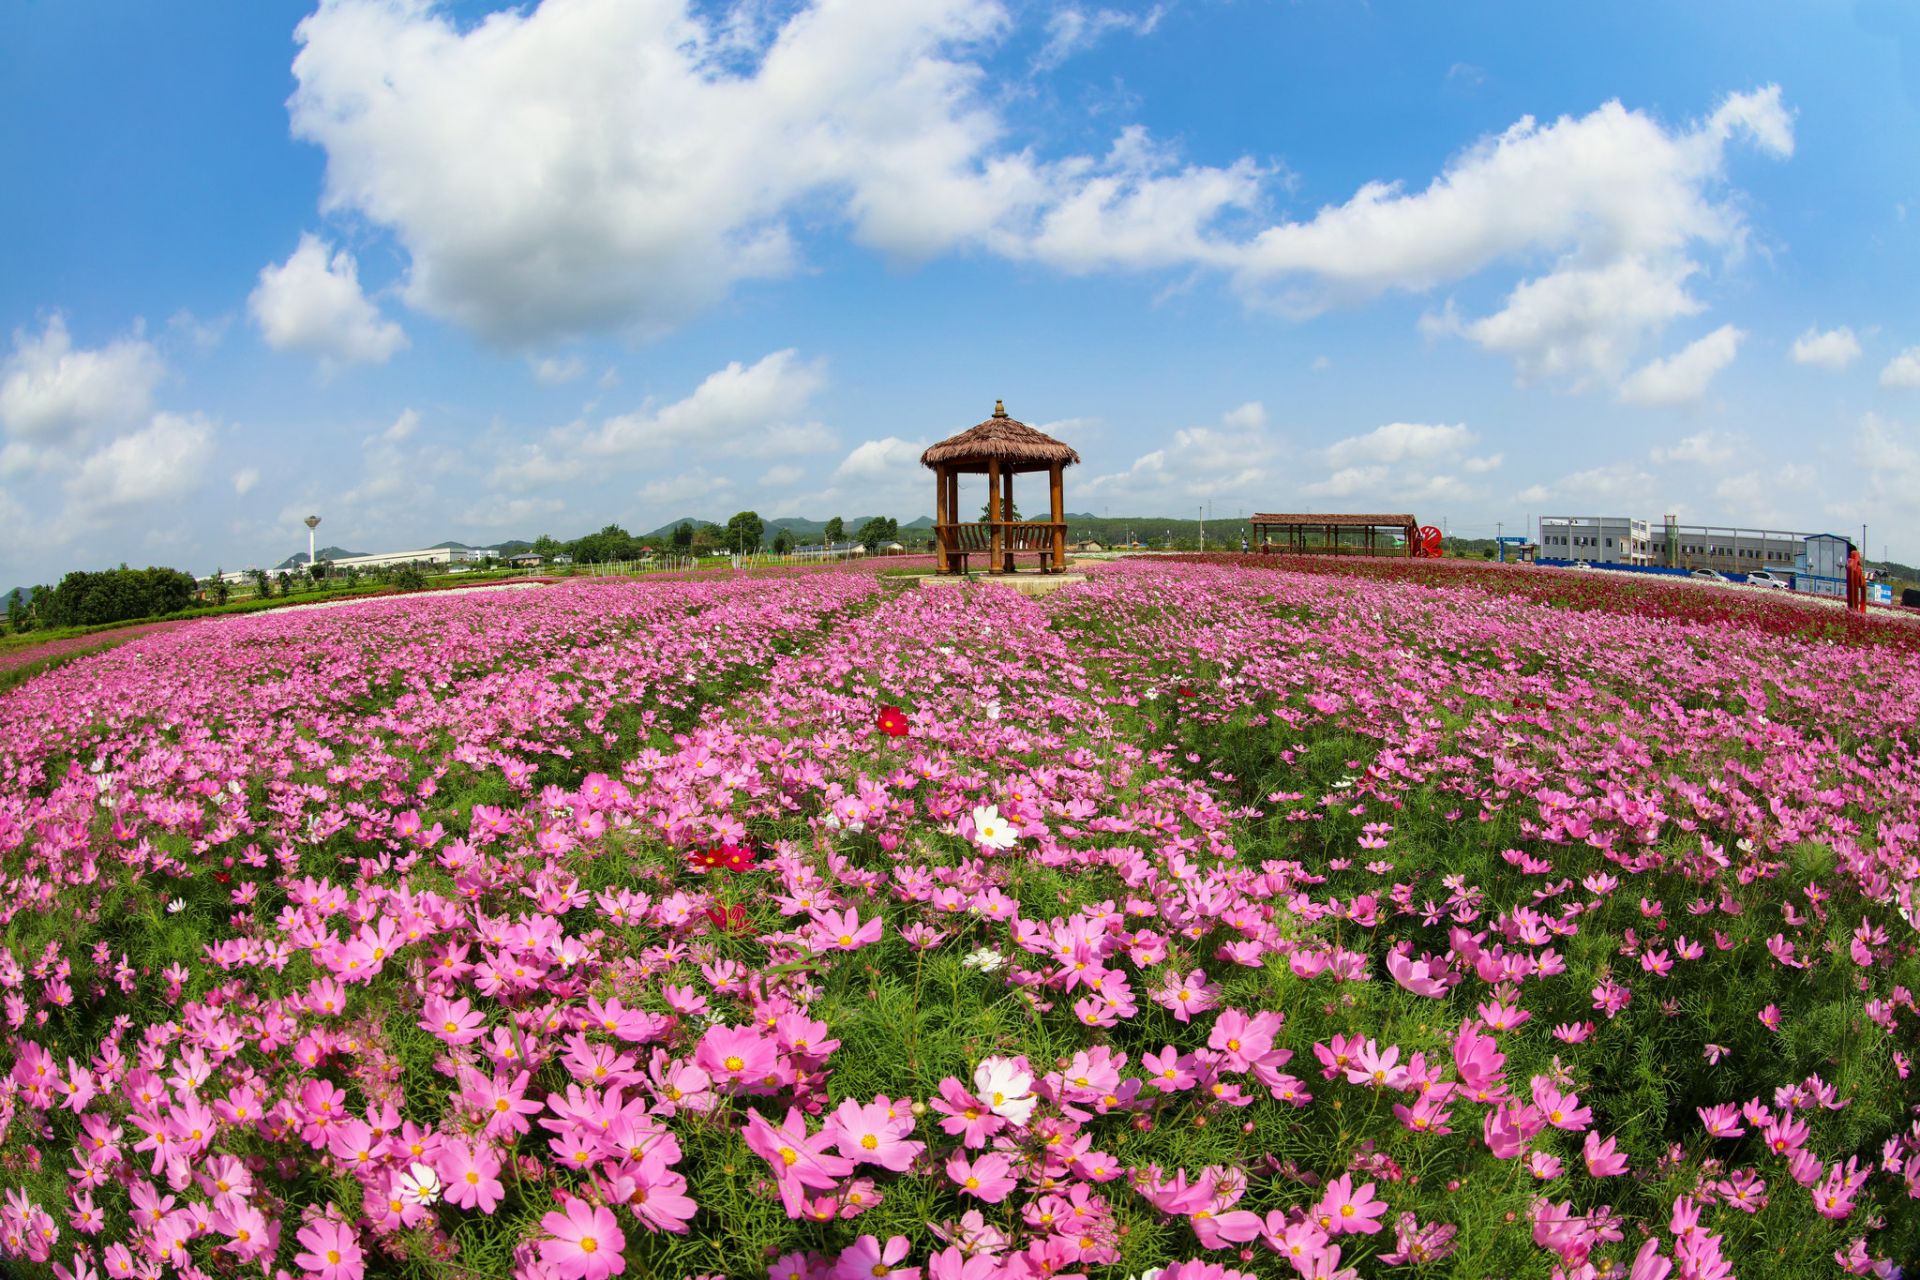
[[1709, 575], [1771, 581]]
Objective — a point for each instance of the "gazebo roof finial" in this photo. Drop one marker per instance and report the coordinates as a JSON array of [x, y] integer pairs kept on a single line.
[[999, 408]]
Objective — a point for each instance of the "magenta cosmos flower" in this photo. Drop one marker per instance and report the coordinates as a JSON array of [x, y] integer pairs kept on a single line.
[[586, 1242], [332, 1253]]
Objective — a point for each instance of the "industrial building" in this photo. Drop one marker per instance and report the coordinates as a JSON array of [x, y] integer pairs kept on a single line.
[[383, 559], [1669, 544], [1595, 539]]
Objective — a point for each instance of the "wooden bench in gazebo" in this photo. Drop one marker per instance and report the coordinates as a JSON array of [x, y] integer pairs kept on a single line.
[[999, 448]]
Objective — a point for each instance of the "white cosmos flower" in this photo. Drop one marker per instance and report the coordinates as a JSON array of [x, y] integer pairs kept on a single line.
[[993, 711], [1005, 1088], [990, 829], [420, 1185], [175, 907], [986, 960]]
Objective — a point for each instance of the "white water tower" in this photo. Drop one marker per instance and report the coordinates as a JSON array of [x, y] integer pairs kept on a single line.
[[312, 523]]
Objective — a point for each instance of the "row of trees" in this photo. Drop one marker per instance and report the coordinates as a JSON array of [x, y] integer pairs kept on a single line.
[[745, 532], [110, 595]]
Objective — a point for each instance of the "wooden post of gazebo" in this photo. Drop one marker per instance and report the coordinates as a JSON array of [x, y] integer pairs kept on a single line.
[[999, 449], [993, 514]]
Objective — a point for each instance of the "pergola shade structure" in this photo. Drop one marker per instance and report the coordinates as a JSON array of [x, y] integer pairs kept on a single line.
[[999, 449], [1343, 534]]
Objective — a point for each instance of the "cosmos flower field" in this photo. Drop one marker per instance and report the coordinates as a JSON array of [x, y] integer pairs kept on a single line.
[[1203, 919]]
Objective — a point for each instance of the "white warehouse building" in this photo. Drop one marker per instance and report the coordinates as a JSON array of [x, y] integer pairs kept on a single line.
[[1599, 539]]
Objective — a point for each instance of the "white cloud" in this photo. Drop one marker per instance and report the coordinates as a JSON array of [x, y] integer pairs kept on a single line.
[[573, 167], [1231, 460], [781, 476], [1708, 448], [882, 461], [759, 410], [312, 303], [1624, 484], [244, 481], [1074, 29], [689, 486], [1400, 442], [561, 168], [165, 459], [1889, 456], [1903, 370], [552, 371], [51, 392], [1833, 349], [1579, 325], [1754, 497], [1682, 378], [1402, 462]]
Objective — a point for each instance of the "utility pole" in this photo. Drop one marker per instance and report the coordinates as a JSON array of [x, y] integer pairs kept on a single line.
[[1203, 529]]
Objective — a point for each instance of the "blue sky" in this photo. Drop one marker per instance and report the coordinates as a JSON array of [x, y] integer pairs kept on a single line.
[[459, 271]]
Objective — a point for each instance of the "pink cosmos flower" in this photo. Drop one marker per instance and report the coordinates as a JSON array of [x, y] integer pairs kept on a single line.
[[867, 1259], [1603, 1159], [586, 1242], [798, 1159], [1423, 977], [875, 1133], [964, 1116], [471, 1176], [1562, 1110], [454, 1021], [1343, 1210], [989, 1177], [844, 931], [332, 1252], [735, 1056], [1186, 996]]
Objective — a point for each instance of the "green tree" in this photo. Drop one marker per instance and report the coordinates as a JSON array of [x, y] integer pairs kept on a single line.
[[744, 532], [1011, 513], [683, 535], [782, 542], [262, 584], [708, 537], [220, 588], [410, 579], [836, 531], [16, 612], [877, 532], [286, 583], [547, 545]]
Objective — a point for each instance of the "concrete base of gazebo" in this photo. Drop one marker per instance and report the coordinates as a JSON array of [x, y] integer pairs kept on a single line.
[[1027, 583]]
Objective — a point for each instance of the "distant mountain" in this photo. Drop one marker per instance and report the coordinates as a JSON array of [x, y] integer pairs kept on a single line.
[[299, 559]]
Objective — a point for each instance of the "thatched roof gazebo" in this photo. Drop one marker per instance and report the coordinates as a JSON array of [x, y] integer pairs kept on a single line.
[[999, 448]]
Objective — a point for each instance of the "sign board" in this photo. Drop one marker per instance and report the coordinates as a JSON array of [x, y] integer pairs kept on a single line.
[[1880, 593]]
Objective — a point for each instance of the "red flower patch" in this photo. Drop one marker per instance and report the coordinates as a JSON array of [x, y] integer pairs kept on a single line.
[[893, 722]]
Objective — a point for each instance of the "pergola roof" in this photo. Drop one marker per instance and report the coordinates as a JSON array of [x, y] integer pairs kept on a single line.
[[1003, 439], [1347, 521]]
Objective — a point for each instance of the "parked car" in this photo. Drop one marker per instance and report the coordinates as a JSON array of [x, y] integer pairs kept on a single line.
[[1771, 581], [1709, 575]]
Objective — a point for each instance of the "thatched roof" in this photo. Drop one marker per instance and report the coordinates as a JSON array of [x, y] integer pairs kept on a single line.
[[1003, 438], [1373, 521]]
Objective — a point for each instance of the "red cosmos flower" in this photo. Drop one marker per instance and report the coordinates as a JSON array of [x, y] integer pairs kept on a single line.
[[729, 919], [893, 722], [726, 857], [1186, 691]]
